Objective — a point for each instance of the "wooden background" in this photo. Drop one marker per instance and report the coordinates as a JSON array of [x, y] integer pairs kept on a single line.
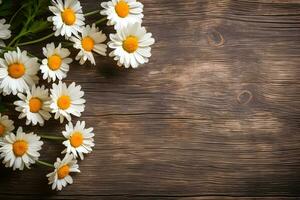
[[214, 115]]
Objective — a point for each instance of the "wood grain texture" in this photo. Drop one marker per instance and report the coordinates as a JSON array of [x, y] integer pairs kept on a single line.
[[214, 115]]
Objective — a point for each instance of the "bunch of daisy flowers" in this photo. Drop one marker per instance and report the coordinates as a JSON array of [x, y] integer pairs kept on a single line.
[[130, 46]]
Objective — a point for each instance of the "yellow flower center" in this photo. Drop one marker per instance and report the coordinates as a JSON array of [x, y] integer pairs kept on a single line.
[[2, 130], [64, 102], [130, 44], [63, 172], [16, 70], [54, 62], [122, 9], [68, 16], [87, 43], [35, 104], [76, 139], [20, 147]]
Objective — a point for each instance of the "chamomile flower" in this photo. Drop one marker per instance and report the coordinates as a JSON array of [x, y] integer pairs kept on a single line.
[[56, 64], [66, 100], [35, 105], [61, 175], [5, 33], [131, 45], [79, 139], [91, 40], [6, 126], [18, 72], [20, 150], [68, 18], [122, 12]]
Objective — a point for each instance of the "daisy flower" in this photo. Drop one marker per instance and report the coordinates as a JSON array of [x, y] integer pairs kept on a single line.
[[68, 18], [35, 106], [5, 33], [66, 100], [131, 45], [6, 126], [20, 150], [79, 139], [122, 12], [61, 175], [56, 63], [91, 40], [18, 72]]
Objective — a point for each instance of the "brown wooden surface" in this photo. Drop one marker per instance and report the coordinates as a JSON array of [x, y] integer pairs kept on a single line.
[[214, 115]]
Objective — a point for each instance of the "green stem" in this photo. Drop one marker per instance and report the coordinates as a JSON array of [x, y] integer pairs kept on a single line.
[[15, 39], [37, 40], [7, 48], [45, 163], [13, 17], [100, 21], [52, 137], [92, 13]]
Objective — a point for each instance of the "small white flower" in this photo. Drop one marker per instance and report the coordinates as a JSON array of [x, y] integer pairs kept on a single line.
[[5, 33], [68, 18], [79, 139], [91, 40], [6, 126], [20, 150], [35, 106], [56, 63], [122, 12], [66, 100], [61, 175], [131, 45], [18, 72]]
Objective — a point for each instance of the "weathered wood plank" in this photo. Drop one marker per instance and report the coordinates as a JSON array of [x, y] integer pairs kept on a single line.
[[214, 115]]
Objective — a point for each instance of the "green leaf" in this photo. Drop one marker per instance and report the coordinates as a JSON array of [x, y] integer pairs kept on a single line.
[[38, 26]]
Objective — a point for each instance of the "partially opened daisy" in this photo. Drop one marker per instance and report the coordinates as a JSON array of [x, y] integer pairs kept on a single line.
[[35, 105], [79, 139], [56, 64], [20, 150], [5, 33], [91, 40], [18, 72], [122, 12], [66, 100], [6, 126], [68, 18], [61, 175], [131, 45]]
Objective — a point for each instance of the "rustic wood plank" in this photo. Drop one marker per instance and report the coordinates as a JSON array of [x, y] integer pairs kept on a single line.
[[214, 115]]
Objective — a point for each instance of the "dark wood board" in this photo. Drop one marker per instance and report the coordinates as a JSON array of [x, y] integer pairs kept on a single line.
[[214, 115]]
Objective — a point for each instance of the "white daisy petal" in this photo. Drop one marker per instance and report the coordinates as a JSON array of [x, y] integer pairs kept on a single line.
[[56, 64], [79, 139], [91, 40], [66, 101], [68, 18], [18, 72], [6, 126], [20, 150], [122, 12], [60, 177], [131, 45], [35, 106]]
